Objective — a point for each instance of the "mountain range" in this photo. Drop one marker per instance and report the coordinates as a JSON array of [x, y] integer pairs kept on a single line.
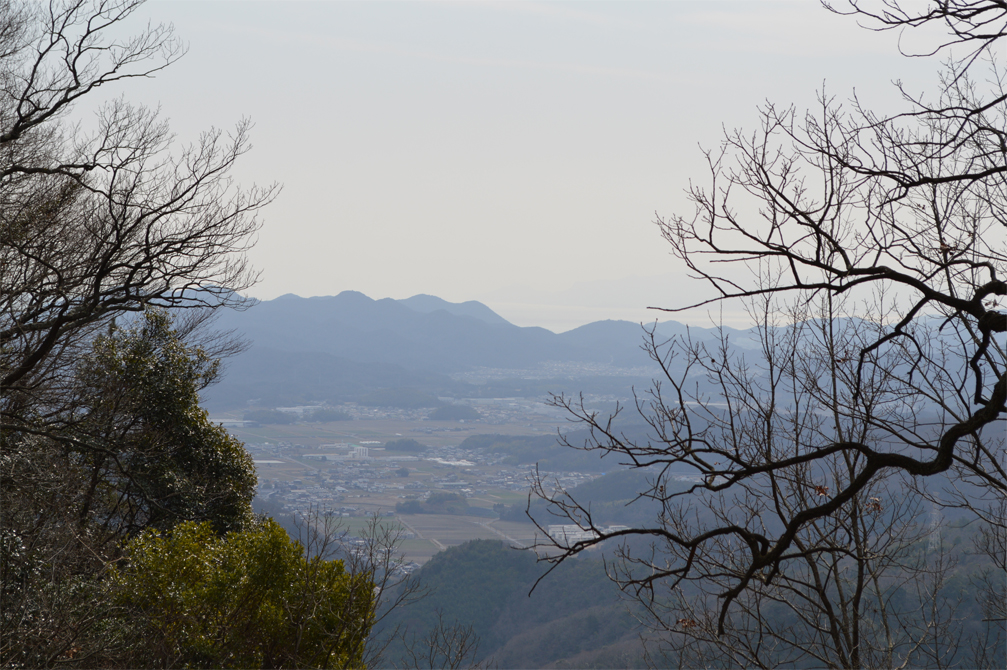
[[337, 347]]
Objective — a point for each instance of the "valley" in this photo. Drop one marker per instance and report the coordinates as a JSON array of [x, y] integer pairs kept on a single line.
[[353, 469]]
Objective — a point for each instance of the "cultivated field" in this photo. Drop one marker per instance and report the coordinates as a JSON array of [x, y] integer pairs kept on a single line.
[[436, 532], [432, 433], [433, 532]]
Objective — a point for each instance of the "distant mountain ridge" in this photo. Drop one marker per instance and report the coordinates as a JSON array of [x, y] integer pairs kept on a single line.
[[336, 346], [429, 303], [427, 333]]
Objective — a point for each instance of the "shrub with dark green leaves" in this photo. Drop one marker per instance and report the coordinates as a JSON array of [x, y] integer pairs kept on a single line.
[[406, 444], [248, 599], [326, 414], [149, 451]]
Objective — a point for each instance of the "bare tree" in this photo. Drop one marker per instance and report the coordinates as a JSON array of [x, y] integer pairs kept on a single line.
[[870, 251], [94, 224], [990, 587], [872, 601], [445, 647], [372, 551], [97, 220], [854, 589]]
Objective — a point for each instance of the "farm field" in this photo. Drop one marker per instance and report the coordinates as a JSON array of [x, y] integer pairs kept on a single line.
[[292, 471], [440, 531], [432, 433]]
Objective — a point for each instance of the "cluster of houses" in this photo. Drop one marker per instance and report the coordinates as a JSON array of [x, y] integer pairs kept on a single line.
[[347, 471]]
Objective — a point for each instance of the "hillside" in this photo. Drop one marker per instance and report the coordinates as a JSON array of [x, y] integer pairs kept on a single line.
[[353, 326], [340, 347], [575, 613]]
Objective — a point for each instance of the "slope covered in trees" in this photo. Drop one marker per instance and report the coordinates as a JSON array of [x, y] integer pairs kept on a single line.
[[577, 613]]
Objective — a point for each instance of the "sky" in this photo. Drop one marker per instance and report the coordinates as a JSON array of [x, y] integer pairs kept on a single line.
[[515, 153]]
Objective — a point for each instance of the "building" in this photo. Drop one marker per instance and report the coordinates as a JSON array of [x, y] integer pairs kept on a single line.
[[568, 534]]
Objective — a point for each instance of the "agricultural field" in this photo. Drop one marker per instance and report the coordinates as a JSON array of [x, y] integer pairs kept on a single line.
[[433, 433], [304, 466], [440, 531]]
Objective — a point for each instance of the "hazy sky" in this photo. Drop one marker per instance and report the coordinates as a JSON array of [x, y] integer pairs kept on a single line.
[[513, 153]]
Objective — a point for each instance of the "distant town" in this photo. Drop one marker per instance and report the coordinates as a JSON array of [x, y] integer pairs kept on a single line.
[[383, 458]]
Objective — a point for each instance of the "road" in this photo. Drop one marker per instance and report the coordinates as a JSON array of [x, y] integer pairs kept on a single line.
[[419, 535]]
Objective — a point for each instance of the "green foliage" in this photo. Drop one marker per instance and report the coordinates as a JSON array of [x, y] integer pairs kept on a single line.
[[325, 415], [51, 609], [410, 507], [151, 453], [273, 507], [248, 599], [273, 416], [437, 503], [407, 444], [443, 498], [129, 449], [455, 413]]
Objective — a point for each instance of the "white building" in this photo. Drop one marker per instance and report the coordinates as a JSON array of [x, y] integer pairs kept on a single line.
[[567, 534]]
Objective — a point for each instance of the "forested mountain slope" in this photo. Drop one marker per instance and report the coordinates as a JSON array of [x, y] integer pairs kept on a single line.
[[338, 347], [575, 618]]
